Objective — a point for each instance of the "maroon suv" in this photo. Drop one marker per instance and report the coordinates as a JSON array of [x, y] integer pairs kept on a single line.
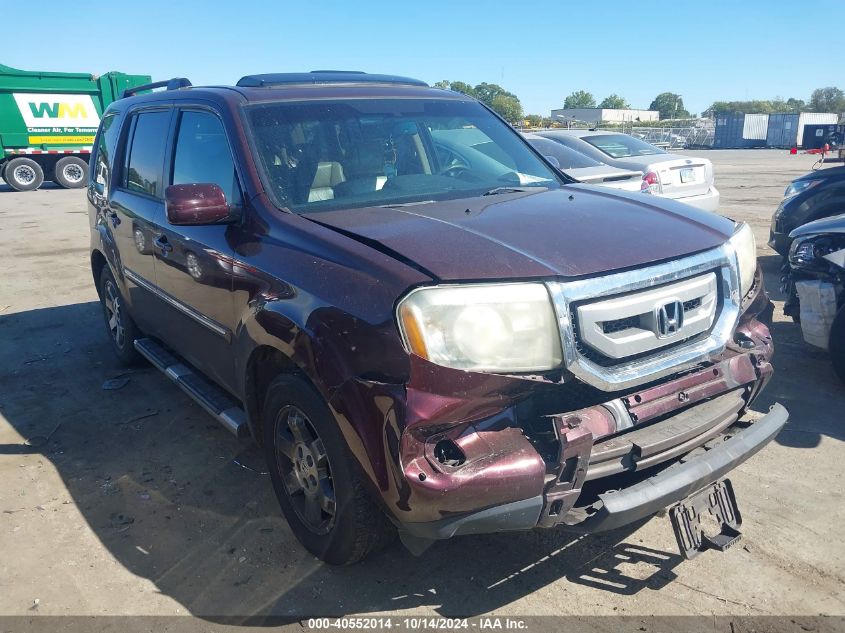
[[425, 325]]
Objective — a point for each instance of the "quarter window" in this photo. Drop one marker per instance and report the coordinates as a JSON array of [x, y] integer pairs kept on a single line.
[[146, 153], [105, 144], [202, 155]]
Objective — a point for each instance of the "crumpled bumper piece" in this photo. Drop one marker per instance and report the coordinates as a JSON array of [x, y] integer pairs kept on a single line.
[[681, 480]]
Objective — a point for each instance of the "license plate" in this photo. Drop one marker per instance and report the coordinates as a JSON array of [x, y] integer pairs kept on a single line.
[[687, 174], [709, 519]]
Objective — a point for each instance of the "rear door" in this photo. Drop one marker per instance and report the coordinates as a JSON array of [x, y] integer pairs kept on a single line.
[[135, 205], [194, 263]]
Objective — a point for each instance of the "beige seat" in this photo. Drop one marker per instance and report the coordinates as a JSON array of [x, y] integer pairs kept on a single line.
[[329, 174]]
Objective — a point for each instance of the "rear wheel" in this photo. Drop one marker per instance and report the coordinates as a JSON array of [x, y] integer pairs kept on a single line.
[[23, 174], [71, 172], [119, 324], [316, 479], [837, 344]]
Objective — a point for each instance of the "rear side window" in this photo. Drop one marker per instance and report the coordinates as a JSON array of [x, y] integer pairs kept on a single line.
[[567, 157], [146, 153], [202, 155], [105, 146]]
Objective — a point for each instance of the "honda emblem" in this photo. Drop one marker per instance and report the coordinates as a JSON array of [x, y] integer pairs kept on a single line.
[[668, 318]]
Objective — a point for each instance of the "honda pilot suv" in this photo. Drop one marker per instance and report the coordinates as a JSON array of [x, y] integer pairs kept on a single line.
[[426, 327]]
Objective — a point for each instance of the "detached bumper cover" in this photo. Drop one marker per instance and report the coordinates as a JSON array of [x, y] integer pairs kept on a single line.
[[639, 501]]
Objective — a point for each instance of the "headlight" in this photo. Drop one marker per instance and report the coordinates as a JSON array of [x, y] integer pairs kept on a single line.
[[482, 327], [746, 256], [809, 253], [799, 186]]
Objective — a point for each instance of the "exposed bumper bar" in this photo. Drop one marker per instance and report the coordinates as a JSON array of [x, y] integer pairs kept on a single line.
[[679, 482], [625, 506]]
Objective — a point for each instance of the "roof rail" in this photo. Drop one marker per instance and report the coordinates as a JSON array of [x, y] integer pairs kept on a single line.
[[316, 77], [171, 84]]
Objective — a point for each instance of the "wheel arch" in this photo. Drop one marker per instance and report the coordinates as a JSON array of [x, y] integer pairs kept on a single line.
[[263, 365], [98, 261]]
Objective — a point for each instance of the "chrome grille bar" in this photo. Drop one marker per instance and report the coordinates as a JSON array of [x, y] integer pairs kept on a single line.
[[654, 356]]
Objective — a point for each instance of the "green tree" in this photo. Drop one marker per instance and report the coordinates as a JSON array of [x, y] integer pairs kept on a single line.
[[508, 107], [488, 92], [580, 99], [457, 86], [670, 106], [614, 102], [830, 99]]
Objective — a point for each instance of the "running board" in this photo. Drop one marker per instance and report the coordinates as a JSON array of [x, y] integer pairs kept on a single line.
[[209, 396]]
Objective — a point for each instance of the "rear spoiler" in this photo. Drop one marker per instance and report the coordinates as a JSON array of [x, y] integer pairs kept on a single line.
[[170, 84]]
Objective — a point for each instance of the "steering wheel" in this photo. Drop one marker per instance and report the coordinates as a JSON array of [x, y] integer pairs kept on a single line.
[[456, 170]]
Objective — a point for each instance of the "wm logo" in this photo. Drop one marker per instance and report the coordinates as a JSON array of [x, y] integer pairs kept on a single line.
[[58, 110]]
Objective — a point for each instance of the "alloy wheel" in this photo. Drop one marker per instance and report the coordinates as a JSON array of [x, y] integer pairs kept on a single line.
[[305, 470], [112, 303]]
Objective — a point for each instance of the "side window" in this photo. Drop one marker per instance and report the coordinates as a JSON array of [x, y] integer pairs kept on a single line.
[[202, 155], [101, 173], [146, 153]]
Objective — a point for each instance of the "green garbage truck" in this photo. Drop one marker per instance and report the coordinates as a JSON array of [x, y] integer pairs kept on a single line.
[[48, 121]]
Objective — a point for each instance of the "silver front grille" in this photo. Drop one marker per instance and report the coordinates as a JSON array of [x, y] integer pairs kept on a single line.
[[640, 322], [629, 328]]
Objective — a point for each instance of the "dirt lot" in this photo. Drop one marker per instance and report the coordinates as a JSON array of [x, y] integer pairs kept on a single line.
[[134, 501]]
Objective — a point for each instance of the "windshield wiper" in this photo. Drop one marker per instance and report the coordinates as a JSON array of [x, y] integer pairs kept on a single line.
[[497, 190], [399, 205]]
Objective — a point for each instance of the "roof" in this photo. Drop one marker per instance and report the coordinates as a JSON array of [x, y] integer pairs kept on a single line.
[[304, 87]]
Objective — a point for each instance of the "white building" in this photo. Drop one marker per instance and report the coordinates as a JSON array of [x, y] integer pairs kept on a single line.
[[604, 115]]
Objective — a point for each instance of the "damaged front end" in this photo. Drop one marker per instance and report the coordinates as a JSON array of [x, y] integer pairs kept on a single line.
[[485, 452]]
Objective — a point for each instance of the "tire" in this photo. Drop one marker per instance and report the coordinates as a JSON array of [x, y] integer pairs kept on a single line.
[[71, 173], [837, 344], [23, 174], [120, 327], [316, 479]]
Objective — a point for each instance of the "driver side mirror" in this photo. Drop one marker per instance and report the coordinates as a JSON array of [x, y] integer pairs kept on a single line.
[[196, 204], [554, 161]]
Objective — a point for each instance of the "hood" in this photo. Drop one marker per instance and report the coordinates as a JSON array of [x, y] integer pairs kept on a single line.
[[570, 232], [834, 224], [823, 174]]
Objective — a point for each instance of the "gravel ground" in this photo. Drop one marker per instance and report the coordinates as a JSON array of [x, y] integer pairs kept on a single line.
[[134, 501]]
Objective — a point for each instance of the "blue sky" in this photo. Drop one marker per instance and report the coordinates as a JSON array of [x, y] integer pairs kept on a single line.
[[542, 51]]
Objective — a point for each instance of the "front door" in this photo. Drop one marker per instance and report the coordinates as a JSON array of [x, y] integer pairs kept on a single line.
[[194, 263]]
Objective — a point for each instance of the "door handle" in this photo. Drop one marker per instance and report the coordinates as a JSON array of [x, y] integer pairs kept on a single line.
[[115, 220], [162, 244]]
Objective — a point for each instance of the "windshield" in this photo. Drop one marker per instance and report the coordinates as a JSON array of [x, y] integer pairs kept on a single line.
[[621, 145], [566, 156], [323, 155]]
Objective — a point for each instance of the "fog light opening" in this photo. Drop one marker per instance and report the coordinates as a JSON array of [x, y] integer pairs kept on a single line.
[[448, 453]]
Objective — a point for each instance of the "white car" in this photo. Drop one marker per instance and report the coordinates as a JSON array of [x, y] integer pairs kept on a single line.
[[583, 168], [682, 178]]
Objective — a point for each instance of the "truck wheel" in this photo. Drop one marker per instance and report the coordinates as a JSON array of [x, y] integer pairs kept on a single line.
[[121, 328], [23, 174], [315, 477], [71, 172], [837, 344]]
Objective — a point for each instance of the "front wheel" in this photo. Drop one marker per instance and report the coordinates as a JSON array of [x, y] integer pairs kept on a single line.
[[317, 481], [837, 344], [119, 324]]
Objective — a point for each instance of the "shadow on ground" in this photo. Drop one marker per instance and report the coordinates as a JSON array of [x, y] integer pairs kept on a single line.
[[176, 499]]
